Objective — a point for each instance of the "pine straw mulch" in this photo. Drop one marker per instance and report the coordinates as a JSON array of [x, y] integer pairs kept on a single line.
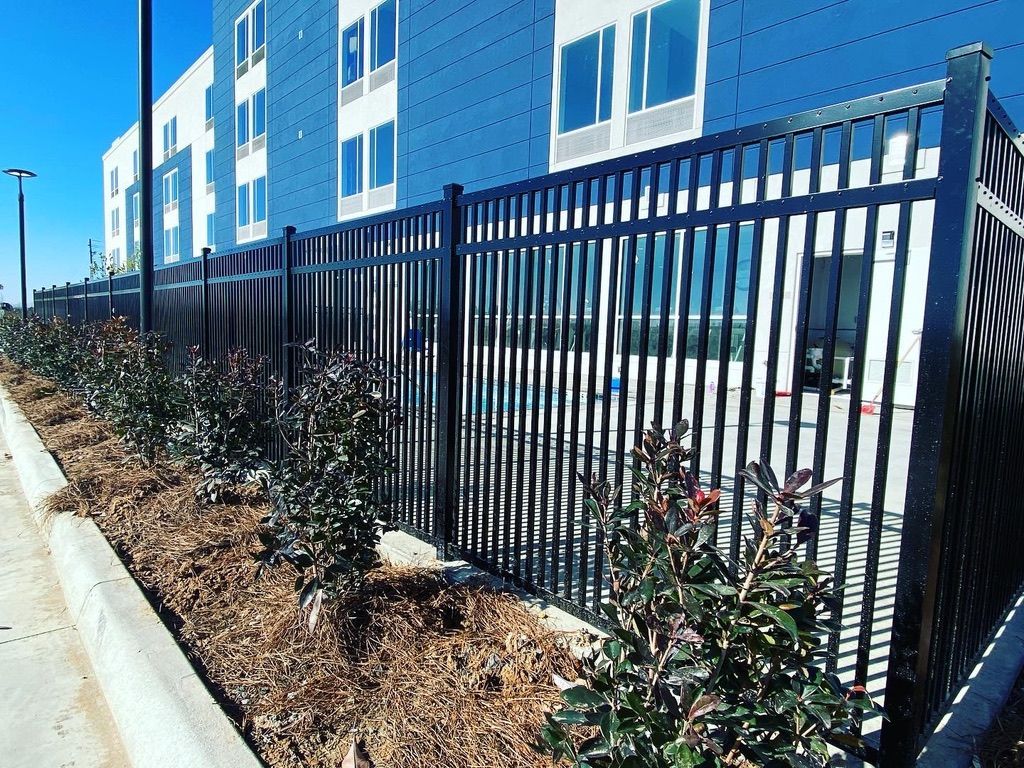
[[1003, 745], [426, 673]]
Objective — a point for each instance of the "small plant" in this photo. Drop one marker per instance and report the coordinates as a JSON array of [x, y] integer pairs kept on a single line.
[[327, 515], [222, 428], [130, 386], [712, 662]]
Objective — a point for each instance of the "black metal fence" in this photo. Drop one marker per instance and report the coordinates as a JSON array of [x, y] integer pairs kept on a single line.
[[832, 289]]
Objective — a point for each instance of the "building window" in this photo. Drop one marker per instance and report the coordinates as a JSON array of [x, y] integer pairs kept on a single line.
[[382, 155], [209, 103], [242, 40], [259, 113], [663, 59], [113, 181], [352, 166], [115, 221], [135, 164], [171, 187], [259, 200], [243, 205], [242, 124], [209, 230], [172, 243], [135, 210], [383, 34], [585, 85], [259, 26], [352, 54], [209, 166], [171, 136]]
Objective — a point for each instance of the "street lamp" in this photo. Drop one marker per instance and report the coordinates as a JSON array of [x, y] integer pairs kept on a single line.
[[20, 174]]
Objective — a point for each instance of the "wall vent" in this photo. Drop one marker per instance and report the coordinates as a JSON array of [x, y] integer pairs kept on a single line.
[[381, 196], [260, 55], [241, 69], [583, 142], [242, 151], [351, 92], [382, 76], [659, 122], [350, 205], [259, 142]]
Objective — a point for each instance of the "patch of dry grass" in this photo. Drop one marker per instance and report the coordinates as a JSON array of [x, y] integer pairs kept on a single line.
[[1003, 745], [426, 673]]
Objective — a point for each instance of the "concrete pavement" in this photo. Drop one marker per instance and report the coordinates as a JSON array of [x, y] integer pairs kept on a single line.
[[52, 712]]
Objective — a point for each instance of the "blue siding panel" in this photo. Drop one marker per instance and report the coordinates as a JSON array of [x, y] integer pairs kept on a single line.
[[474, 84]]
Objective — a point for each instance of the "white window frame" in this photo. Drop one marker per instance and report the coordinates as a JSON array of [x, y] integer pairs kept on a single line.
[[647, 62], [575, 19], [170, 135], [114, 185], [135, 165], [252, 52], [211, 229], [370, 165], [362, 172], [115, 221], [135, 211], [171, 185], [173, 235], [600, 61], [373, 37]]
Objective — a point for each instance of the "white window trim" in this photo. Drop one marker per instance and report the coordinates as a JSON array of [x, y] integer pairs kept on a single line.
[[253, 52], [373, 37], [175, 186], [599, 31], [574, 20], [394, 154]]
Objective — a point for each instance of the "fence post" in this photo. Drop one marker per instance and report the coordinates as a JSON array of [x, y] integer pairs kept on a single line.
[[449, 376], [287, 321], [935, 412], [206, 301], [110, 292], [85, 301]]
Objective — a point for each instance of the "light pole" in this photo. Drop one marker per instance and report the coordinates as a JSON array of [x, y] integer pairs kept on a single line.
[[20, 174]]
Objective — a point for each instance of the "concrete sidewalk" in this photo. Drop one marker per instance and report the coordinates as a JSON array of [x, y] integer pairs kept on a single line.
[[52, 714]]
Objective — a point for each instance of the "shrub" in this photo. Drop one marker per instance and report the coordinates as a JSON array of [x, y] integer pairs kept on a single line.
[[222, 428], [129, 385], [711, 663], [327, 515]]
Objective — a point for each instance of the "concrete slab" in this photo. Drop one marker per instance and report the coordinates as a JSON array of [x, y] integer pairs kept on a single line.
[[54, 714]]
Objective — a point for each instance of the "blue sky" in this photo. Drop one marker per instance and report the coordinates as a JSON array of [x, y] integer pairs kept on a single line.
[[68, 88]]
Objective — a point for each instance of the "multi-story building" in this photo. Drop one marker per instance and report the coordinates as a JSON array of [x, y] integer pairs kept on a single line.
[[310, 113]]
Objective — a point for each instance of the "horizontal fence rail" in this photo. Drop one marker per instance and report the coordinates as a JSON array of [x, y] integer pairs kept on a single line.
[[765, 283]]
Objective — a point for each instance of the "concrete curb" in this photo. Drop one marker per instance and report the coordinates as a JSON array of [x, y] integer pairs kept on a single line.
[[165, 716], [981, 699]]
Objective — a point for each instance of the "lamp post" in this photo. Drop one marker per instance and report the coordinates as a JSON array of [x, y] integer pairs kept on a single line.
[[20, 174]]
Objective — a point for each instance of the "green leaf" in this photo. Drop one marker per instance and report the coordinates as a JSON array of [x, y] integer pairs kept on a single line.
[[780, 617], [581, 696]]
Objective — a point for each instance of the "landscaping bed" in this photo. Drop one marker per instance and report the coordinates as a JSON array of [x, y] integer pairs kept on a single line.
[[423, 672]]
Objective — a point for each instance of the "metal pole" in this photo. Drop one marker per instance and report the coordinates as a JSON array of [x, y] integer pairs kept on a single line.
[[286, 308], [146, 165], [206, 302], [110, 292], [449, 376], [67, 301], [21, 221], [85, 301], [936, 410]]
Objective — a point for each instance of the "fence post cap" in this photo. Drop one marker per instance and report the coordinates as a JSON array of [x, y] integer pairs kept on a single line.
[[288, 230], [452, 190], [206, 250], [969, 50]]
